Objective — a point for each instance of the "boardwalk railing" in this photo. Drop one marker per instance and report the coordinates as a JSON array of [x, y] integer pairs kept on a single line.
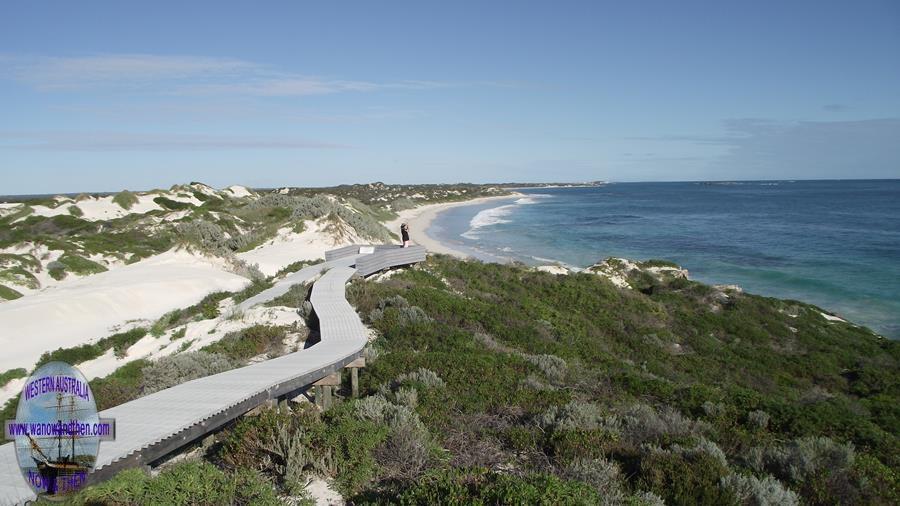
[[359, 249], [384, 258], [153, 426]]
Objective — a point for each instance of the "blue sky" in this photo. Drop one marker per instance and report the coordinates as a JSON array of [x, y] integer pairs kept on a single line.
[[100, 96]]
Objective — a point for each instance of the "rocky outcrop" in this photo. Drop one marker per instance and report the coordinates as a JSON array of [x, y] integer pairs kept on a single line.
[[624, 273]]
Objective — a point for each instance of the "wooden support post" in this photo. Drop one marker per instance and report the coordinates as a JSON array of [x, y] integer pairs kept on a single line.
[[326, 399], [354, 374], [323, 389]]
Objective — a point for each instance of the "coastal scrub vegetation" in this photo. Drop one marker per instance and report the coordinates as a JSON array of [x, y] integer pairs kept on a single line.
[[215, 222], [499, 384]]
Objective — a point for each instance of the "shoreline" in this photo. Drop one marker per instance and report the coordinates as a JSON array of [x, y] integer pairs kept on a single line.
[[420, 218]]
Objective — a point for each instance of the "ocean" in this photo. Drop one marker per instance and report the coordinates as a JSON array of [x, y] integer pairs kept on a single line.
[[835, 244]]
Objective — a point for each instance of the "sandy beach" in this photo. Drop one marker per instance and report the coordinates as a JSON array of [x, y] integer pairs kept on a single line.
[[420, 218]]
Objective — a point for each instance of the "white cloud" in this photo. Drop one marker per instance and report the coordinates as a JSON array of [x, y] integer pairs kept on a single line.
[[117, 141], [123, 70], [189, 75]]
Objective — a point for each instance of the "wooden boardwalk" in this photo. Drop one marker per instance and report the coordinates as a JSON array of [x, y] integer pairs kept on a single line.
[[158, 424]]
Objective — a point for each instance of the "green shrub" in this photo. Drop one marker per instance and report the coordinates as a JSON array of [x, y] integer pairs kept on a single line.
[[18, 275], [76, 211], [172, 205], [165, 322], [122, 385], [12, 374], [57, 270], [125, 199], [176, 369], [78, 265], [482, 487], [250, 342], [118, 342], [185, 483], [752, 491], [567, 445], [603, 475], [73, 356], [8, 293], [122, 341], [404, 454], [296, 266], [578, 416], [254, 288], [758, 419], [294, 297], [553, 367], [682, 479], [402, 204], [642, 423], [805, 457]]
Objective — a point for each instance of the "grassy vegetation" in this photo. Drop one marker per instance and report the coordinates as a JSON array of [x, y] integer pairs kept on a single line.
[[296, 266], [16, 270], [8, 293], [12, 374], [80, 265], [584, 393], [172, 205], [125, 199], [185, 483], [119, 343], [250, 342]]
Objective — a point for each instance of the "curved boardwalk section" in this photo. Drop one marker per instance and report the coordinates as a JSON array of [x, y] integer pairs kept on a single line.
[[153, 426]]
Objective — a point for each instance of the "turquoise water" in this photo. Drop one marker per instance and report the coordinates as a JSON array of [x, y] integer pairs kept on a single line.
[[835, 244]]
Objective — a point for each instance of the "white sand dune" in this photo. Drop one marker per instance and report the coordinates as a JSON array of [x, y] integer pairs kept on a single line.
[[85, 309], [289, 247]]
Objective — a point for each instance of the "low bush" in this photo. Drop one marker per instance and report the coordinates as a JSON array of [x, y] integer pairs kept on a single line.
[[254, 288], [684, 480], [642, 423], [122, 341], [294, 297], [185, 483], [121, 386], [250, 342], [752, 491], [172, 205], [553, 367], [125, 199], [758, 419], [804, 458], [482, 487], [12, 374], [603, 475], [73, 356], [296, 266], [578, 416], [77, 265], [176, 369], [8, 293]]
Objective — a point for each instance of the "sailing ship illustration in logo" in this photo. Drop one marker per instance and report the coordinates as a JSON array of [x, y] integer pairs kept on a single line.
[[57, 430]]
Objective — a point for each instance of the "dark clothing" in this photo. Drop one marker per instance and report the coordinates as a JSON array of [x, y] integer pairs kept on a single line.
[[404, 234]]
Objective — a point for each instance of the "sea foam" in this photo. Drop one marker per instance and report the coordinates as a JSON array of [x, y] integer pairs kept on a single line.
[[496, 215]]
